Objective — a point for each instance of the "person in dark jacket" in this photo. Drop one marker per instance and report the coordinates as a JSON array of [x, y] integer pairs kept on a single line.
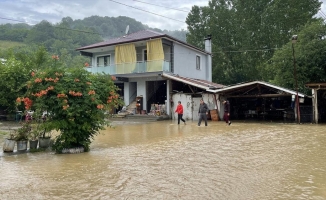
[[179, 110], [227, 110], [202, 112]]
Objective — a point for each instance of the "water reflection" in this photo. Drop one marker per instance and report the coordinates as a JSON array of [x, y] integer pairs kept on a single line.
[[163, 160]]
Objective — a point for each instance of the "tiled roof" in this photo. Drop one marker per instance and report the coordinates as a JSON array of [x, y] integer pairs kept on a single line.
[[140, 35], [203, 84], [134, 37]]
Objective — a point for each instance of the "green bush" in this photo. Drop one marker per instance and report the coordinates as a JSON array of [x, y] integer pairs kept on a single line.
[[76, 102]]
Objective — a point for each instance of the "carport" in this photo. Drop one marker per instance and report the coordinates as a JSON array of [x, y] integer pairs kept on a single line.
[[318, 101], [264, 101]]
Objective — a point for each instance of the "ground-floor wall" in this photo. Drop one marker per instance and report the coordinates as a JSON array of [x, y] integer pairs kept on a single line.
[[191, 104], [143, 87]]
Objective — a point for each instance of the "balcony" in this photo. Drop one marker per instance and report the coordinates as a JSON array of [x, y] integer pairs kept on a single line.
[[129, 68]]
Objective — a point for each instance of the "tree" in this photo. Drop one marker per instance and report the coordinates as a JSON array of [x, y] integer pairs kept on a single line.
[[40, 33], [13, 77], [76, 101], [245, 33], [310, 55]]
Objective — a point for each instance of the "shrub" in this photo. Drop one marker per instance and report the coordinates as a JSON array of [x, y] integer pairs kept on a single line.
[[75, 100]]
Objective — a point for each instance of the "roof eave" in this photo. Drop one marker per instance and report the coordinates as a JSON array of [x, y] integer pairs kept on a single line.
[[142, 39], [259, 82]]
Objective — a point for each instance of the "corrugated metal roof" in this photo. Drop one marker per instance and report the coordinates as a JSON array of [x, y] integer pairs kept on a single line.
[[232, 87], [203, 84]]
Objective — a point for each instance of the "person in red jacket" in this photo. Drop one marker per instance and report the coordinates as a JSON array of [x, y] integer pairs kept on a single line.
[[179, 110]]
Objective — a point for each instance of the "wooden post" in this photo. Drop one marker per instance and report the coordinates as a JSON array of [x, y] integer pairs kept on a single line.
[[217, 111], [315, 104]]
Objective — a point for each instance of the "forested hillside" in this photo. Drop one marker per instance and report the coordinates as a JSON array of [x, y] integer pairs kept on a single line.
[[70, 34]]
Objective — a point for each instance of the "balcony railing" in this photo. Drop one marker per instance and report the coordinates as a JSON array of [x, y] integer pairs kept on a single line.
[[129, 68]]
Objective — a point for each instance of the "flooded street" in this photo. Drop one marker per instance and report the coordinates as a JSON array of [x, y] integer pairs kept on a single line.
[[161, 160]]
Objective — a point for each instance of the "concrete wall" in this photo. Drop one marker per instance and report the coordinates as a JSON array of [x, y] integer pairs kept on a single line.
[[139, 84], [95, 55], [191, 104], [186, 101], [126, 93], [185, 63]]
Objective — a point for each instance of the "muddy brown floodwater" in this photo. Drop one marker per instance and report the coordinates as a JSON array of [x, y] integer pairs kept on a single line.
[[161, 160]]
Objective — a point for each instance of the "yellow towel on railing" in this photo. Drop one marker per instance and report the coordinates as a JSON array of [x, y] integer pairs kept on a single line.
[[155, 55], [125, 58]]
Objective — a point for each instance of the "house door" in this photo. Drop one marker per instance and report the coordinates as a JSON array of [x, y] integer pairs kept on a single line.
[[145, 55], [195, 106]]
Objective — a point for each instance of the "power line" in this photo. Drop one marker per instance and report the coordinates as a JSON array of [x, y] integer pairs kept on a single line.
[[323, 14], [162, 6], [147, 11]]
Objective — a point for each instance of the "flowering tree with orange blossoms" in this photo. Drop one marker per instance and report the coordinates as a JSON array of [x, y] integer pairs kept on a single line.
[[76, 102]]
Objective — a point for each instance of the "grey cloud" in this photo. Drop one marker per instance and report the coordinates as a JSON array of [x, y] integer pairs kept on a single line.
[[34, 11]]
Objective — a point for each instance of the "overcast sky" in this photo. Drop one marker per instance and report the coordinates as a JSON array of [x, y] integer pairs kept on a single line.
[[34, 11]]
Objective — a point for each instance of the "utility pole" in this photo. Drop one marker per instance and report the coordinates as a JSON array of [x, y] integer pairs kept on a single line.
[[294, 40]]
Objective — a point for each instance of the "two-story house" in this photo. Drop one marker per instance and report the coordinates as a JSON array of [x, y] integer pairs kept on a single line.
[[153, 66]]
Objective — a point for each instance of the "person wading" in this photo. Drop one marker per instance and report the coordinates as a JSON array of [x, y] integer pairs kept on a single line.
[[202, 112], [179, 110], [226, 116]]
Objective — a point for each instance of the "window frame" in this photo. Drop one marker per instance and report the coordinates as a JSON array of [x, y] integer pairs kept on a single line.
[[198, 60], [103, 56]]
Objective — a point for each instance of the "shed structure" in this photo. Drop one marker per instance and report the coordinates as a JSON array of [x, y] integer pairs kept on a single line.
[[318, 100], [261, 100]]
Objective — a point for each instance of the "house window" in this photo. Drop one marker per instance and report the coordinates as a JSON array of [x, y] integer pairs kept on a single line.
[[103, 61], [197, 62]]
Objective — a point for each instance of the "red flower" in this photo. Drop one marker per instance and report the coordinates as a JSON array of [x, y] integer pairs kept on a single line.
[[38, 80], [100, 106], [91, 92], [55, 57]]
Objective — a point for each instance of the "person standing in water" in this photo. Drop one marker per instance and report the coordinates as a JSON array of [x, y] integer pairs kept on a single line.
[[226, 116], [179, 110], [202, 112]]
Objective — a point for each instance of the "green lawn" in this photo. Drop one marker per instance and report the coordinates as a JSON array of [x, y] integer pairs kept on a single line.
[[5, 44]]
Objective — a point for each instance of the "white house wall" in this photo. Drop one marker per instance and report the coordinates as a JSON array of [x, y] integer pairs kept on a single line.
[[141, 88], [210, 101], [191, 103], [95, 55], [186, 101], [126, 93], [185, 63]]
